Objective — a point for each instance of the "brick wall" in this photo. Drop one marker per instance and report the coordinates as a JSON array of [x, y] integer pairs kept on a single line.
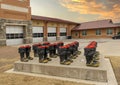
[[92, 33], [15, 9]]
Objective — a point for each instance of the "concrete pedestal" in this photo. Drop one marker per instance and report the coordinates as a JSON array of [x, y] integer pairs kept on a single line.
[[77, 70]]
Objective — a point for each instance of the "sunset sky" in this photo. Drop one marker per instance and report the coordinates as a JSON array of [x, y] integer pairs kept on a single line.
[[78, 10]]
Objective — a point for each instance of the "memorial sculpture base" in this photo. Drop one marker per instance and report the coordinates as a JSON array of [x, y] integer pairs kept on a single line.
[[77, 70]]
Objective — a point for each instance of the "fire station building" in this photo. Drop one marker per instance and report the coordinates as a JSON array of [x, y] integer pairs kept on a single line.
[[96, 29], [15, 22], [18, 26], [50, 29]]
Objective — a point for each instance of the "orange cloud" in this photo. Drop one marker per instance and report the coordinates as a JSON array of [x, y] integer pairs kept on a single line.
[[104, 10]]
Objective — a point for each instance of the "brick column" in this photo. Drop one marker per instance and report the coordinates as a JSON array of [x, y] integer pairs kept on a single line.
[[45, 33], [58, 32], [68, 31]]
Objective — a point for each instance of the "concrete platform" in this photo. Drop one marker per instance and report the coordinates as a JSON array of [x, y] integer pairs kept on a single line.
[[77, 70]]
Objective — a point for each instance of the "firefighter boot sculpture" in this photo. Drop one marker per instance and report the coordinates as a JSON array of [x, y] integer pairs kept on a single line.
[[34, 47], [74, 53], [68, 54], [46, 53], [21, 50], [41, 52], [76, 46], [62, 51], [55, 48], [51, 50], [27, 51], [89, 53]]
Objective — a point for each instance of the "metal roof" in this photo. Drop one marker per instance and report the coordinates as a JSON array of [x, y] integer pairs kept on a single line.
[[96, 24], [34, 17]]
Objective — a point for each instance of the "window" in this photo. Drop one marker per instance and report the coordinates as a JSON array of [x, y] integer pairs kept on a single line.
[[63, 34], [51, 34], [109, 31], [98, 32], [84, 32], [37, 34], [76, 34], [14, 36]]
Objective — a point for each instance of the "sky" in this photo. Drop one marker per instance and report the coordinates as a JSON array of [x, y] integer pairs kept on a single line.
[[77, 10]]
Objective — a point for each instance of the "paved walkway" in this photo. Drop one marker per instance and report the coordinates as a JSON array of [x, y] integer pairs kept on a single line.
[[107, 47]]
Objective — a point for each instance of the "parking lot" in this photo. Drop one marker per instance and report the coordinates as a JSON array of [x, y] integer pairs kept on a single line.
[[9, 54]]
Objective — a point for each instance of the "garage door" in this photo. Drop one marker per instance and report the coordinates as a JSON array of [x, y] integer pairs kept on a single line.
[[63, 33], [51, 34], [14, 35], [37, 34]]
